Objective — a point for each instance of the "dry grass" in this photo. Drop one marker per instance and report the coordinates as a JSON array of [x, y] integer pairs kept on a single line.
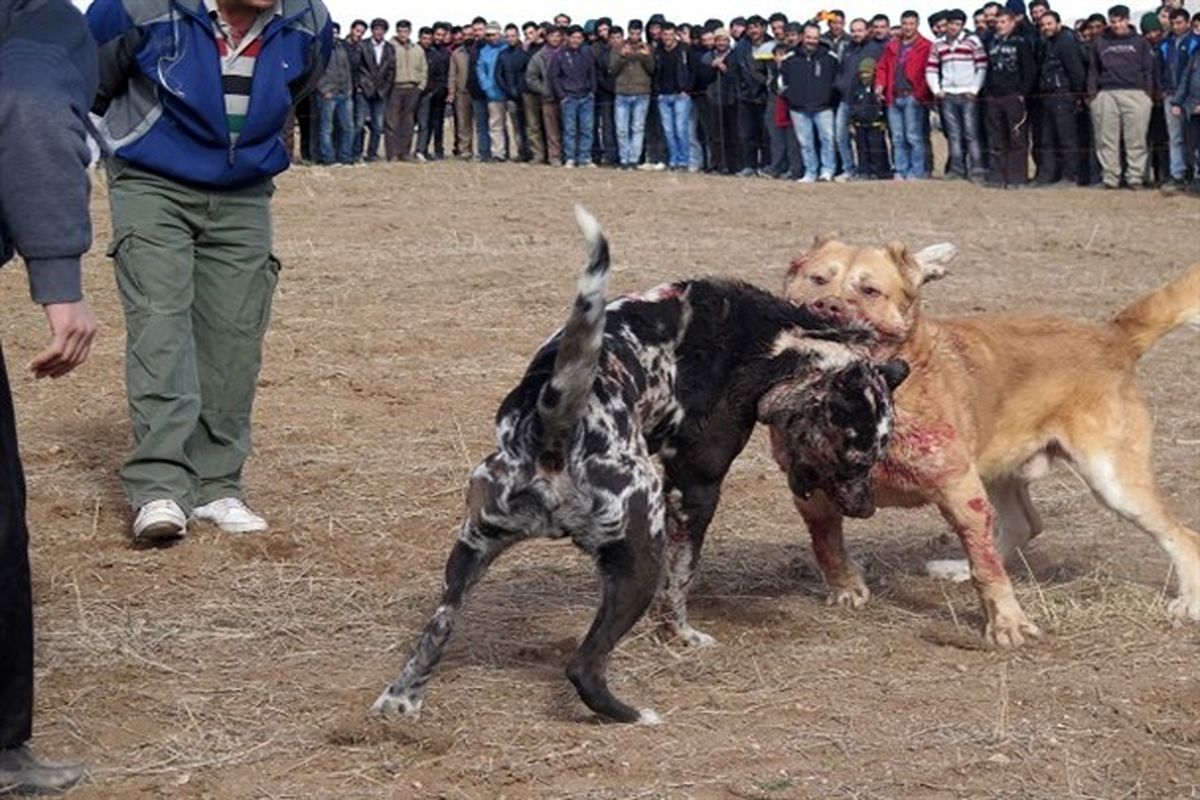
[[411, 300]]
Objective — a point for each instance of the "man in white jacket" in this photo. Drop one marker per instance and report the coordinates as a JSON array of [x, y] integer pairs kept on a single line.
[[955, 72]]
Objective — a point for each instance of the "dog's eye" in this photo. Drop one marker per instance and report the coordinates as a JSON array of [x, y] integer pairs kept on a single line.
[[818, 280], [870, 291]]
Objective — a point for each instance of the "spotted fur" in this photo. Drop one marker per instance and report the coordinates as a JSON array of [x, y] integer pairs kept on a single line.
[[675, 375]]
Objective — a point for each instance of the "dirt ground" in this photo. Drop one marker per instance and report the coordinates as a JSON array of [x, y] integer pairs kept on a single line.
[[411, 299]]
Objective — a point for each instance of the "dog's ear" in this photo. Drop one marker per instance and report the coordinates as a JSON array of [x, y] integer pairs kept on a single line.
[[894, 372], [822, 239], [933, 260], [920, 268]]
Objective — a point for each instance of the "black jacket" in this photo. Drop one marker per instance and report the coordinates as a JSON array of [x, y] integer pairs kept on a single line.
[[752, 76], [438, 60], [673, 70], [375, 78], [605, 80], [806, 79], [510, 72], [854, 54], [47, 84], [720, 88], [1062, 65], [1012, 68]]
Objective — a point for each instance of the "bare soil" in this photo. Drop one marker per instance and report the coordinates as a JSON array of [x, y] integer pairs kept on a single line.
[[411, 299]]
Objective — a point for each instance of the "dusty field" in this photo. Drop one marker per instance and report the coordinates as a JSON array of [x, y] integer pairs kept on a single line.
[[411, 299]]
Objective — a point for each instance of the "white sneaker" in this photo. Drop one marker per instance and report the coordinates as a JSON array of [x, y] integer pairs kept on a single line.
[[569, 165], [230, 515], [159, 520]]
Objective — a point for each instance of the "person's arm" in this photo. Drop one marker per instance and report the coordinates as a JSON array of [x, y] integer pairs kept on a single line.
[[1149, 76], [1072, 61], [933, 72], [317, 56], [1028, 67], [48, 79], [118, 40], [422, 71], [981, 67], [1093, 74]]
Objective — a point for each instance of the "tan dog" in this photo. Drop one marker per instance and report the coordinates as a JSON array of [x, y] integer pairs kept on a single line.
[[991, 401]]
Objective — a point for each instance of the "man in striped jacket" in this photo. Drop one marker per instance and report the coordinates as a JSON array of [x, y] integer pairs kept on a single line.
[[955, 73]]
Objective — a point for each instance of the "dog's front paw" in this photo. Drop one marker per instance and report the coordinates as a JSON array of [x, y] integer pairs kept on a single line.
[[1011, 630], [694, 638], [1183, 609], [396, 705], [956, 570], [648, 716], [852, 594]]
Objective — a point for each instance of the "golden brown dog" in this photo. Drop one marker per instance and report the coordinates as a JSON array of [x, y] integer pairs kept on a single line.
[[990, 403]]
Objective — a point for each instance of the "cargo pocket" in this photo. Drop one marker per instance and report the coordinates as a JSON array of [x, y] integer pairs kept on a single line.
[[271, 276], [121, 251]]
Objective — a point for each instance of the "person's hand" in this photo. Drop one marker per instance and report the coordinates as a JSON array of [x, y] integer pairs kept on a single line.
[[939, 95], [328, 95], [1176, 111], [1196, 110], [72, 329], [971, 95]]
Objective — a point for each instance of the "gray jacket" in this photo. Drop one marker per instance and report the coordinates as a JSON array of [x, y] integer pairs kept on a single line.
[[47, 84], [338, 77], [537, 74]]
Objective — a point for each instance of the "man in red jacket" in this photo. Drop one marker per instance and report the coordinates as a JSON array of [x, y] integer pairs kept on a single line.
[[900, 82]]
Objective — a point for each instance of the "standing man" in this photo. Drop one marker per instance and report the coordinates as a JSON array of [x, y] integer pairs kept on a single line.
[[859, 47], [1061, 81], [1175, 51], [487, 66], [672, 82], [537, 78], [900, 81], [431, 112], [573, 78], [720, 122], [412, 73], [806, 82], [510, 74], [751, 61], [1121, 85], [376, 75], [458, 96], [334, 90], [531, 102], [1012, 73], [955, 72], [190, 190], [47, 79], [358, 111], [632, 67]]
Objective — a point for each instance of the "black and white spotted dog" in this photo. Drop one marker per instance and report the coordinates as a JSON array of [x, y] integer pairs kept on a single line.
[[683, 372]]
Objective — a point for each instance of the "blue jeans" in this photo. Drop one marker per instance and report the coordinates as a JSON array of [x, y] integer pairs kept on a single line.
[[695, 146], [675, 112], [906, 119], [841, 135], [371, 108], [960, 116], [818, 123], [337, 107], [578, 119], [359, 115], [631, 126]]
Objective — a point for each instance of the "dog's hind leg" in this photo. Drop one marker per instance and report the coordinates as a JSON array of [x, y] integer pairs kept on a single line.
[[842, 575], [629, 575], [1119, 474], [472, 554], [690, 510]]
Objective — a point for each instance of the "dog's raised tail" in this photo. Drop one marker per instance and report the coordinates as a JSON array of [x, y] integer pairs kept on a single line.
[[1153, 316], [577, 363]]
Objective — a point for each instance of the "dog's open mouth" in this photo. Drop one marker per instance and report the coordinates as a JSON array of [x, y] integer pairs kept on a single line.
[[854, 497]]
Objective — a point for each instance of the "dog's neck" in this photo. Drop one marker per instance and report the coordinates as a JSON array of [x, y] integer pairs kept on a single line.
[[917, 346]]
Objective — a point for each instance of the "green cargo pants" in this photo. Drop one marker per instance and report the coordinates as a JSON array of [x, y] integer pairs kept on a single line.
[[196, 277]]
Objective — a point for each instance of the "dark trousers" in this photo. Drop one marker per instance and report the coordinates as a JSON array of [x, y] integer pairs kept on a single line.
[[720, 129], [1008, 136], [1060, 140], [871, 146], [431, 123], [752, 132], [604, 141], [1159, 145], [400, 121], [16, 597]]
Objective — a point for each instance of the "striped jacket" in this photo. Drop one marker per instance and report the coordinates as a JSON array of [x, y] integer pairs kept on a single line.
[[957, 67], [163, 101]]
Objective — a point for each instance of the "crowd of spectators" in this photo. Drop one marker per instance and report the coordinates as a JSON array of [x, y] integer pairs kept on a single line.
[[1019, 95]]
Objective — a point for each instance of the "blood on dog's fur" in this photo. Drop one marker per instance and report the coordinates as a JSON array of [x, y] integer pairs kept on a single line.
[[992, 401], [678, 375]]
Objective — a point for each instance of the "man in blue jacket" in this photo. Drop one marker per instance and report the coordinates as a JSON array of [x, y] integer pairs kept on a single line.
[[191, 158], [47, 77], [1175, 51]]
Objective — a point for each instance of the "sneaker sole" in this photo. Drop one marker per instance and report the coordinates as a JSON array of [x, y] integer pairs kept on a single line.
[[160, 532]]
